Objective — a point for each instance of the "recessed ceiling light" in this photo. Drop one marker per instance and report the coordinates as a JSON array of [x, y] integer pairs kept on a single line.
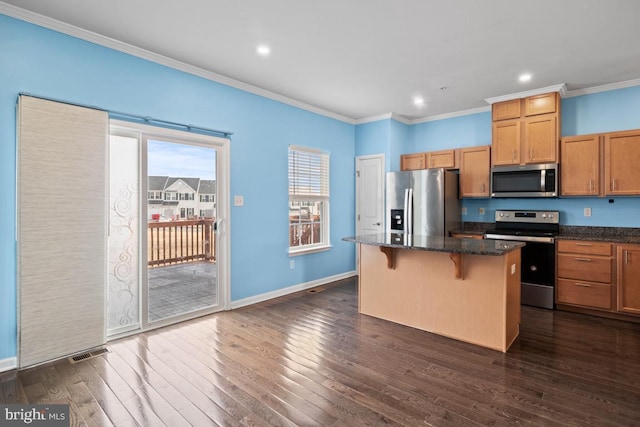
[[524, 77], [263, 50], [418, 101]]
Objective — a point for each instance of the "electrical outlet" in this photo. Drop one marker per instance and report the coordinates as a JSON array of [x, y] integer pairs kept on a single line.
[[238, 200], [481, 211], [292, 264], [587, 211], [464, 211]]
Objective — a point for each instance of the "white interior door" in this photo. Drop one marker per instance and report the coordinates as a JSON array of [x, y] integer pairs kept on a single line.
[[370, 194]]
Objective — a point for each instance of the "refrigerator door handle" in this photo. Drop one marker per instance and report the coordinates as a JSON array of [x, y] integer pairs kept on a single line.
[[410, 215], [406, 211]]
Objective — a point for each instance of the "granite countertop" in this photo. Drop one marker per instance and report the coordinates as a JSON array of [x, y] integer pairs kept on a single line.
[[438, 244], [573, 232]]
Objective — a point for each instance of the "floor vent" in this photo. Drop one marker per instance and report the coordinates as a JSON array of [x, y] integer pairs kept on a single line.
[[88, 355]]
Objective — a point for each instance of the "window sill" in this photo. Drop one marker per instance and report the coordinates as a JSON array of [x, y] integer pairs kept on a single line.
[[304, 251]]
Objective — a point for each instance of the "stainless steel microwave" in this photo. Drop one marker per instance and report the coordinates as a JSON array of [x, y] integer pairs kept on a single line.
[[525, 180]]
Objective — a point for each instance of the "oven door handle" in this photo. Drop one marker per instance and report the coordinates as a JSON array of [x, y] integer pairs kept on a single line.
[[533, 239]]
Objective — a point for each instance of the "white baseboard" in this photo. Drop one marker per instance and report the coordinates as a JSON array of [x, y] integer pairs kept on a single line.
[[8, 364], [290, 290]]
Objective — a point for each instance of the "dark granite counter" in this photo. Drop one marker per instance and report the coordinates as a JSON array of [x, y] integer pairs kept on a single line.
[[573, 232], [438, 244]]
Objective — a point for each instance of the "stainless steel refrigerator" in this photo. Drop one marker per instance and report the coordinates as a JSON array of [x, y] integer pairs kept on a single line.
[[423, 202]]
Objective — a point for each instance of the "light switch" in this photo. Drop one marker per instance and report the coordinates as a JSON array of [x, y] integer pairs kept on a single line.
[[587, 211], [238, 200]]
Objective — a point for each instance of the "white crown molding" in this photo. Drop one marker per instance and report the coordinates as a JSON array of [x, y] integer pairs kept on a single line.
[[603, 88], [59, 26], [375, 118], [562, 88], [451, 115]]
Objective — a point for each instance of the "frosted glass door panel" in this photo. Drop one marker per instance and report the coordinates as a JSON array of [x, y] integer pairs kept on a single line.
[[123, 262]]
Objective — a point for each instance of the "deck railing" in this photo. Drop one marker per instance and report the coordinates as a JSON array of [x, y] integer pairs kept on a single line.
[[173, 242], [305, 231]]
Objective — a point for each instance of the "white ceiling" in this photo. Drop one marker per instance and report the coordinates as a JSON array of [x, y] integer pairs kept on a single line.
[[363, 58]]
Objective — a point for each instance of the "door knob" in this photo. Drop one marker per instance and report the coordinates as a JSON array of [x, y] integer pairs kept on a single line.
[[377, 223]]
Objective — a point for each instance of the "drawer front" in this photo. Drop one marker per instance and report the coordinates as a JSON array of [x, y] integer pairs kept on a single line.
[[585, 247], [585, 267], [587, 294]]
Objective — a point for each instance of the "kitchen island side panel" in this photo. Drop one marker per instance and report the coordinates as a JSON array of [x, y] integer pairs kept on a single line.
[[422, 292]]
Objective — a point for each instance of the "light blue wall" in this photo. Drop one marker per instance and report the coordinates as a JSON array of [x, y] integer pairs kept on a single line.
[[399, 137], [456, 132], [50, 64], [374, 138], [601, 112]]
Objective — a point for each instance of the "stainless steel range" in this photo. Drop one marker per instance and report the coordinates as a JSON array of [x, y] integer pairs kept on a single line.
[[538, 230]]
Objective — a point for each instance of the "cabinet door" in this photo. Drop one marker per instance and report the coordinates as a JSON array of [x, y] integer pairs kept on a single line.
[[629, 278], [541, 139], [506, 143], [506, 110], [409, 162], [540, 104], [442, 159], [622, 163], [580, 166], [474, 171]]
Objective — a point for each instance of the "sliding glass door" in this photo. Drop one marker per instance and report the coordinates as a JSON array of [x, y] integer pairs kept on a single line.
[[181, 242], [166, 249]]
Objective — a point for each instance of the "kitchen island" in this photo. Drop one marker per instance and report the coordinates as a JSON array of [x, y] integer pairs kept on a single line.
[[465, 289]]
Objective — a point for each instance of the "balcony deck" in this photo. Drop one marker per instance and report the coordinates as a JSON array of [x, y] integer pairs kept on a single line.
[[181, 288]]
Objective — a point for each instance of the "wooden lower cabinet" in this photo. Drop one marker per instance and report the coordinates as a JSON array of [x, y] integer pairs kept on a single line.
[[628, 278], [585, 274]]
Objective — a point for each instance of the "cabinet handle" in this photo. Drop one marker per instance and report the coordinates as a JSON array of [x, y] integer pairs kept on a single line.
[[530, 153], [626, 257], [583, 259], [483, 187], [513, 155], [584, 285], [613, 184], [591, 185]]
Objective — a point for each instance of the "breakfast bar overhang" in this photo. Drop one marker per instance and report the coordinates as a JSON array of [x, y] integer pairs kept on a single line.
[[464, 289]]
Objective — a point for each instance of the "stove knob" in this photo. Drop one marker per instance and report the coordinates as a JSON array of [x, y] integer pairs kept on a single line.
[[501, 214], [544, 216], [551, 216]]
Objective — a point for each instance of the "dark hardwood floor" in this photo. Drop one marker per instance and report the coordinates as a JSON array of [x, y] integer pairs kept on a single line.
[[311, 359]]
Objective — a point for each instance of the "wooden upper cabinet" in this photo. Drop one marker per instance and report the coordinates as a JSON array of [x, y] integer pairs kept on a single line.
[[442, 159], [580, 165], [541, 139], [629, 278], [541, 104], [506, 143], [506, 110], [526, 131], [409, 162], [622, 163], [475, 171]]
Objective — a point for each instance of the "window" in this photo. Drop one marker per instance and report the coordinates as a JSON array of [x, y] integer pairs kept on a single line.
[[170, 196], [308, 199], [207, 198], [154, 195]]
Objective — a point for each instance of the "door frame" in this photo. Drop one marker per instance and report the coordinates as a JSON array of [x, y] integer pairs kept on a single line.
[[223, 225]]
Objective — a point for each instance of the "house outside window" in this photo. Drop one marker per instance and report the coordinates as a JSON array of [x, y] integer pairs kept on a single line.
[[308, 200], [170, 195], [154, 195]]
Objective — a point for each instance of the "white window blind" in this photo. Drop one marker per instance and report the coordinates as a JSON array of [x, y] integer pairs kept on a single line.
[[308, 173]]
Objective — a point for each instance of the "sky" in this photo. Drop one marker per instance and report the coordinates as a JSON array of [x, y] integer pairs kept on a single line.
[[180, 160]]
